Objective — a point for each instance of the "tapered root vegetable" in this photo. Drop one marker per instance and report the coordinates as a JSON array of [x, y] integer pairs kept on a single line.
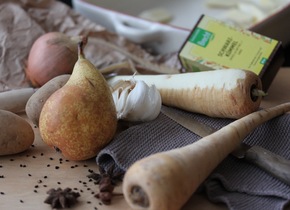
[[166, 180], [229, 93], [36, 101], [16, 134], [15, 100]]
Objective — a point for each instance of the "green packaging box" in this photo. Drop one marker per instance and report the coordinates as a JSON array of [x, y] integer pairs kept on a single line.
[[213, 44]]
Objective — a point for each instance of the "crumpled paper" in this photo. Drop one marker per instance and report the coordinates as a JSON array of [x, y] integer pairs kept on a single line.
[[23, 21]]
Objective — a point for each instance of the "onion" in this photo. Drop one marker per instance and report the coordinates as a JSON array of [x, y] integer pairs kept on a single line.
[[51, 55]]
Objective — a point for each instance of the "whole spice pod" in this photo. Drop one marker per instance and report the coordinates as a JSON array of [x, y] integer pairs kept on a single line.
[[61, 198]]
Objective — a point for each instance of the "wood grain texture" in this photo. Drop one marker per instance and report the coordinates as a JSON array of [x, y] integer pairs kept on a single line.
[[26, 177]]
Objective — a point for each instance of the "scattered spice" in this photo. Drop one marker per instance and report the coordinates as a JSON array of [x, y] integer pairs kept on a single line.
[[57, 149], [66, 197], [107, 181], [59, 198]]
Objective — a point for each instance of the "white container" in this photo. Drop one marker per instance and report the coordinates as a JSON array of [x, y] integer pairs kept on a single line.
[[161, 36], [122, 17]]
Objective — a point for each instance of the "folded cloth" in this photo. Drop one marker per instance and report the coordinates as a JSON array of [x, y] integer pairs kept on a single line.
[[235, 182]]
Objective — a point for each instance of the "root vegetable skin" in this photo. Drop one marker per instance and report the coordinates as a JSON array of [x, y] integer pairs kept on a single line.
[[15, 100], [16, 134], [35, 103], [220, 93], [165, 181]]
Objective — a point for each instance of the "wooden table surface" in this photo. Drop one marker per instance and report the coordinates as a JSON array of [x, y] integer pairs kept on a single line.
[[25, 178]]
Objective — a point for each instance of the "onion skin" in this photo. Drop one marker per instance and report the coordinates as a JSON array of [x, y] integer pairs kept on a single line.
[[51, 55]]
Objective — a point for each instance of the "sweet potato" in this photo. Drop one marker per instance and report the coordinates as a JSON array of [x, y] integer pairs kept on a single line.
[[16, 134]]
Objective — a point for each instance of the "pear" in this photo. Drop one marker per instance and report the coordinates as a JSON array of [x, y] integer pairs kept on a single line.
[[80, 118]]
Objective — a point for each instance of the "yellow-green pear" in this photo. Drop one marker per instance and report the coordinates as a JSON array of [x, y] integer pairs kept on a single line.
[[80, 118]]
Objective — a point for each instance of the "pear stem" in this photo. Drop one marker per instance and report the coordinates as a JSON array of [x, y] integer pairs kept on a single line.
[[81, 45]]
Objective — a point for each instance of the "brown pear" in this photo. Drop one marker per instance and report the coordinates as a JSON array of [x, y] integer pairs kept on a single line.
[[79, 119]]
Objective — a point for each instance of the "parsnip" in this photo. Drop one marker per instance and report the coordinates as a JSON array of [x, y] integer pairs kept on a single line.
[[15, 100], [224, 93], [165, 181]]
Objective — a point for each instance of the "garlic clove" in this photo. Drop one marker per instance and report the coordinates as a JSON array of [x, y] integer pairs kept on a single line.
[[120, 97], [136, 101], [154, 101]]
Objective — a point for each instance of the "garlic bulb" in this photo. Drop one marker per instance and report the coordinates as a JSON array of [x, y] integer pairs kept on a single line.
[[135, 100]]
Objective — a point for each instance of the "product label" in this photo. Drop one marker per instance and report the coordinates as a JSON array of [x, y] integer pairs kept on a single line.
[[217, 45], [201, 37]]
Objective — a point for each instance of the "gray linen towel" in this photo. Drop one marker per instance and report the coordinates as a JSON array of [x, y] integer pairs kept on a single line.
[[235, 182]]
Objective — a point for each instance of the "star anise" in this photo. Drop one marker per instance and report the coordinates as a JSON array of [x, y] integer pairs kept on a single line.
[[107, 180], [59, 198]]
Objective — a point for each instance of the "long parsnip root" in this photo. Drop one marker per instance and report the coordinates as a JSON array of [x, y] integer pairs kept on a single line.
[[227, 93], [165, 181], [15, 100]]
